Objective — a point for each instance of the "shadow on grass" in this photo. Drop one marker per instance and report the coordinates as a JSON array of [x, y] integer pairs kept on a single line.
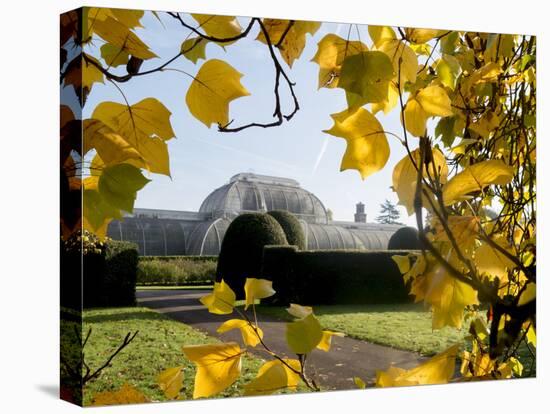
[[120, 316]]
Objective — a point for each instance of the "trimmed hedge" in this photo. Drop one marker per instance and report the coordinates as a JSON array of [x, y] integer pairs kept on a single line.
[[291, 226], [121, 264], [333, 276], [242, 248], [176, 270], [406, 238]]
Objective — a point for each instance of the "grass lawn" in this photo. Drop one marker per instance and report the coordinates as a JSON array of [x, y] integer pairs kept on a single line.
[[156, 347], [403, 326]]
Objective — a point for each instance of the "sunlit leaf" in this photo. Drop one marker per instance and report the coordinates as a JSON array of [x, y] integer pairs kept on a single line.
[[437, 370], [403, 263], [405, 175], [216, 84], [119, 184], [367, 75], [415, 118], [359, 383], [221, 27], [367, 149], [435, 101], [120, 35], [255, 289], [448, 68], [275, 376], [403, 58], [381, 34], [421, 35], [475, 178], [251, 334], [299, 311], [294, 41], [170, 382], [331, 52], [145, 126], [113, 55], [111, 147], [493, 263], [194, 49], [304, 335], [326, 340], [127, 394], [222, 299], [218, 366]]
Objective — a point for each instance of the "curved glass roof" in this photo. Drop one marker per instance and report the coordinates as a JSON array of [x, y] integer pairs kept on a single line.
[[206, 237], [251, 192]]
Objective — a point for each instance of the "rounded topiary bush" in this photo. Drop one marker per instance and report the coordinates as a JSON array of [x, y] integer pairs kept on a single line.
[[242, 248], [406, 238], [291, 226]]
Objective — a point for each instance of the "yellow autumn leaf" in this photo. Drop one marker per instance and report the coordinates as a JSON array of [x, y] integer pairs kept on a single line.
[[303, 335], [216, 84], [222, 299], [111, 147], [464, 229], [120, 35], [381, 34], [421, 35], [251, 334], [170, 382], [194, 49], [326, 340], [367, 149], [403, 263], [221, 27], [415, 118], [405, 175], [403, 58], [113, 55], [435, 101], [531, 335], [145, 126], [447, 69], [437, 370], [294, 41], [331, 52], [127, 394], [275, 376], [389, 103], [218, 366], [299, 311], [255, 289], [365, 77], [475, 178], [493, 263], [359, 383]]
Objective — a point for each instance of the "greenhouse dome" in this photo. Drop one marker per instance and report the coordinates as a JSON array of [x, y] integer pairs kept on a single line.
[[170, 232]]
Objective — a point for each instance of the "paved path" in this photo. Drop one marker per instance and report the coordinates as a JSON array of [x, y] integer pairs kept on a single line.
[[334, 370]]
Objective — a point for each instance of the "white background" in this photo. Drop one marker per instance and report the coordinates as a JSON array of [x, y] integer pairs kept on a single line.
[[29, 204]]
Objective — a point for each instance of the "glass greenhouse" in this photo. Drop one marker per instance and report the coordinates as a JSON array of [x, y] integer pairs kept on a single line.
[[168, 232]]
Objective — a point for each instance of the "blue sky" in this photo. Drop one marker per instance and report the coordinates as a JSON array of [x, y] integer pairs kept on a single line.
[[203, 159]]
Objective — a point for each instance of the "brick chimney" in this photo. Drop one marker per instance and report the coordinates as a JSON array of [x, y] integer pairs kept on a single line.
[[360, 216]]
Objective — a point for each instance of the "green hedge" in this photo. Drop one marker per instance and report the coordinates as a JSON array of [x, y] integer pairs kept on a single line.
[[406, 238], [121, 264], [176, 270], [291, 226], [242, 248], [333, 276]]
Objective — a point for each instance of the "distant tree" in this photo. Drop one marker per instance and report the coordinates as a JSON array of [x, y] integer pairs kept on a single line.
[[329, 214], [388, 213]]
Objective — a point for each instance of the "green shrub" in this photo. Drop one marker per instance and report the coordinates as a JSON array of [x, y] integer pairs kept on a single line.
[[291, 226], [121, 264], [333, 276], [242, 248], [176, 270], [406, 238]]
